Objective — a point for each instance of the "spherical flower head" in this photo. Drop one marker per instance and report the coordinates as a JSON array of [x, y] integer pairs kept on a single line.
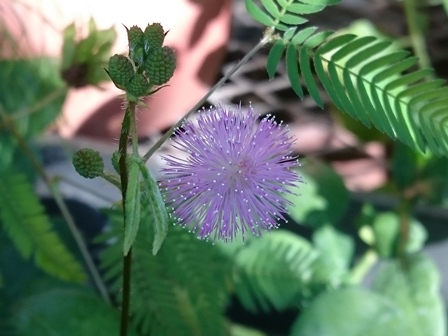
[[234, 175]]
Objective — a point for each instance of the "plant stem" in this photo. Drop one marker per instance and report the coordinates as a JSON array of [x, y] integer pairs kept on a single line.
[[416, 34], [61, 205], [363, 266], [127, 259], [244, 60]]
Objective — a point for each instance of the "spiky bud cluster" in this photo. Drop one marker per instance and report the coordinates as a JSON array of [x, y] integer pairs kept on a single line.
[[120, 70], [135, 37], [160, 65], [149, 63], [153, 37], [88, 163]]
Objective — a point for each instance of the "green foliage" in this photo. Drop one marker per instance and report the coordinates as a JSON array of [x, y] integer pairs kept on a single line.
[[382, 232], [372, 89], [156, 213], [327, 197], [351, 312], [132, 207], [68, 312], [25, 222], [336, 251], [413, 285], [361, 78], [272, 272], [181, 291], [83, 59], [282, 14], [33, 94]]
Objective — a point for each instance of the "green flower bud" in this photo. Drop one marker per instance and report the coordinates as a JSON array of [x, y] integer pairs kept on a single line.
[[138, 86], [135, 38], [153, 37], [160, 65], [120, 70], [116, 160], [88, 163]]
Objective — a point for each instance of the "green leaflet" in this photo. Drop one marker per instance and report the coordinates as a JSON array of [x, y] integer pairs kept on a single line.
[[26, 223], [282, 14], [414, 285], [173, 293], [274, 57], [132, 206], [365, 313], [155, 213], [60, 312], [271, 272]]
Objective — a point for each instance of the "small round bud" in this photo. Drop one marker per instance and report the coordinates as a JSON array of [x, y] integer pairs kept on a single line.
[[160, 65], [88, 163], [115, 159], [138, 86], [120, 70], [153, 37], [135, 37]]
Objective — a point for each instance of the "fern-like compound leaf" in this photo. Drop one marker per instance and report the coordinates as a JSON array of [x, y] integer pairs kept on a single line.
[[28, 227], [282, 14], [181, 291], [369, 81], [272, 272]]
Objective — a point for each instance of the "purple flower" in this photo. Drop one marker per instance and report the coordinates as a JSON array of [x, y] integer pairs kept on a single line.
[[234, 175]]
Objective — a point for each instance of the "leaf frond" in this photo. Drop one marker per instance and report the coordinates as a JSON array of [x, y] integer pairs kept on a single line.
[[27, 225], [272, 272], [172, 293], [376, 84]]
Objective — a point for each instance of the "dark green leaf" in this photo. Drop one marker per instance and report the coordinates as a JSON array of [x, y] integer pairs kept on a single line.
[[68, 312], [292, 67], [274, 57], [155, 210], [257, 14], [132, 207]]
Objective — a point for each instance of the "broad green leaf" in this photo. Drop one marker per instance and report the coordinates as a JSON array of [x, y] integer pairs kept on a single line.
[[132, 207], [335, 254], [414, 286], [154, 213], [326, 198], [258, 14], [68, 312], [351, 312], [386, 227], [274, 57]]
